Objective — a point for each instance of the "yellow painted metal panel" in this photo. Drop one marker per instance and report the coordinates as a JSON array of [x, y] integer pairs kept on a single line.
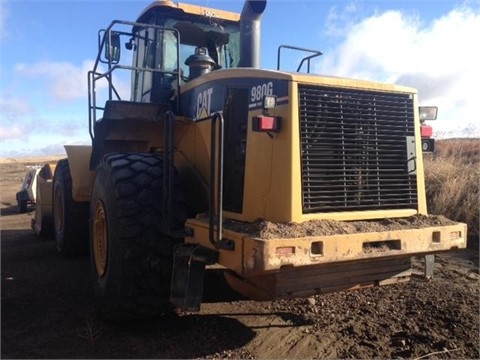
[[277, 196], [194, 10], [209, 12], [82, 177], [421, 194], [312, 79], [258, 172]]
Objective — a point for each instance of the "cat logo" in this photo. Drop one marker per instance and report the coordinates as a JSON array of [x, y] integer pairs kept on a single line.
[[204, 101]]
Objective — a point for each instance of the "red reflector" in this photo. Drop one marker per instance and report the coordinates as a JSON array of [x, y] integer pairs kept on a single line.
[[426, 130], [266, 123]]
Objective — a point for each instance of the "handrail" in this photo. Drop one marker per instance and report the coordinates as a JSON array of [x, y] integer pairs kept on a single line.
[[168, 170], [307, 58], [94, 75], [215, 215]]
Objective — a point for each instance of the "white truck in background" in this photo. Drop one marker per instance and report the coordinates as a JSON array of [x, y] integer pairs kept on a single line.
[[27, 193]]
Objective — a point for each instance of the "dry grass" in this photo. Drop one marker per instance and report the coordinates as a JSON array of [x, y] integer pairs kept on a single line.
[[452, 176], [91, 331], [34, 160]]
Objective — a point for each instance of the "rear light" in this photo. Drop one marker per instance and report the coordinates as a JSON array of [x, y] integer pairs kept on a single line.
[[266, 123], [426, 130]]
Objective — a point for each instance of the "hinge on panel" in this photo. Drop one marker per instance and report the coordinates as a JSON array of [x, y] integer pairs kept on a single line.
[[411, 155]]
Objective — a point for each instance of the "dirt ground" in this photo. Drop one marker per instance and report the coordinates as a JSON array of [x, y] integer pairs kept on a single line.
[[47, 311]]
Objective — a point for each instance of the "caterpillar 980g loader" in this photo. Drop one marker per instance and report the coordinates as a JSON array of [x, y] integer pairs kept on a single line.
[[297, 184]]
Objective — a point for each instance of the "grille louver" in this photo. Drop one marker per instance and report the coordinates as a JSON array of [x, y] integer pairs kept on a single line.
[[353, 148]]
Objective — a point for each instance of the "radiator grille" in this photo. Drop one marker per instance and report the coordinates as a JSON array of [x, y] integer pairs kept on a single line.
[[353, 149]]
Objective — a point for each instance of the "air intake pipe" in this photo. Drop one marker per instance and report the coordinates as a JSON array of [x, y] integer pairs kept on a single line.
[[250, 33]]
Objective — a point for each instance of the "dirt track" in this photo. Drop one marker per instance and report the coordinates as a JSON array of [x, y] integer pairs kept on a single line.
[[48, 311]]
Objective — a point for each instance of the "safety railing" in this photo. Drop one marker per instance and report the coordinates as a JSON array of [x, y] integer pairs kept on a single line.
[[109, 55], [315, 53]]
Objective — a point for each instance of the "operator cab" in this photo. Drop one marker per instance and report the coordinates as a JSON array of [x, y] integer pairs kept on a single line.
[[186, 42]]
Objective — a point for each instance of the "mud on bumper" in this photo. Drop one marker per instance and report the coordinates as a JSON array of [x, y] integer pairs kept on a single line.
[[254, 255], [264, 269]]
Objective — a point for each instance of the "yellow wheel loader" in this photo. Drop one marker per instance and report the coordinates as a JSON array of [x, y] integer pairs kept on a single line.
[[297, 184]]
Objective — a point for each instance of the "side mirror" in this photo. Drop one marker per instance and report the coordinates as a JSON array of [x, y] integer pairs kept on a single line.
[[112, 47], [427, 113]]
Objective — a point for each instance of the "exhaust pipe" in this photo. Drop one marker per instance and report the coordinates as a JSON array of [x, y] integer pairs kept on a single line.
[[250, 33]]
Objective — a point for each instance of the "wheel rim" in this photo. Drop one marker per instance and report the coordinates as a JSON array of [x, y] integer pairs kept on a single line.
[[100, 241], [58, 206]]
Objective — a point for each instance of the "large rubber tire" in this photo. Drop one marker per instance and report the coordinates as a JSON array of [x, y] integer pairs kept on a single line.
[[131, 257], [70, 218]]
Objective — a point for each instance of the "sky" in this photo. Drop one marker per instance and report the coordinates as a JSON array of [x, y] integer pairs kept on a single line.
[[47, 48]]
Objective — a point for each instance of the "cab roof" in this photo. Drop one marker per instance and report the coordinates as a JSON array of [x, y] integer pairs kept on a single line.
[[189, 9]]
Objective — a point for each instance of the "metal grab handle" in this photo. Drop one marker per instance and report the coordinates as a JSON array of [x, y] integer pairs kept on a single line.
[[215, 219], [216, 168], [168, 170]]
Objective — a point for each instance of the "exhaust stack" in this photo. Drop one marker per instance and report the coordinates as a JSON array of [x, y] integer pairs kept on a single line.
[[250, 33]]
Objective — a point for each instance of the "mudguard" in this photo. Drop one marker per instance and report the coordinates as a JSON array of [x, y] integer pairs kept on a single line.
[[82, 176]]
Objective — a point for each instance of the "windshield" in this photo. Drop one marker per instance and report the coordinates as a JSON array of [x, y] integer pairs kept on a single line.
[[221, 41], [156, 48]]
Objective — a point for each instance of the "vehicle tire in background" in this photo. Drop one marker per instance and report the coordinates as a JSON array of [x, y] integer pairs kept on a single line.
[[131, 256], [22, 206], [43, 219], [70, 218]]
